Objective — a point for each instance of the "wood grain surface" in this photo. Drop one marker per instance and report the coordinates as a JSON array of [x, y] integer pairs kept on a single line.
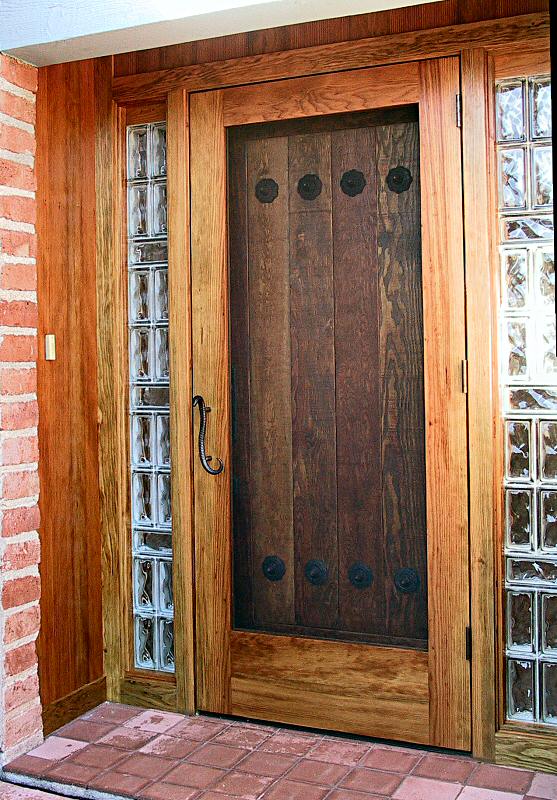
[[329, 58]]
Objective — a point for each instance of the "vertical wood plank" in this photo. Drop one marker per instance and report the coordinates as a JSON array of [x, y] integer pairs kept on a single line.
[[211, 379], [358, 434], [181, 392], [444, 349], [243, 588], [402, 381], [270, 382], [112, 369], [479, 217], [313, 381]]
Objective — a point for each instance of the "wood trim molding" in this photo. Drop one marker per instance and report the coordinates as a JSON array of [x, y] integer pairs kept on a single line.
[[148, 693], [110, 347], [478, 212], [510, 62], [62, 711], [529, 750], [413, 46], [360, 90], [181, 393]]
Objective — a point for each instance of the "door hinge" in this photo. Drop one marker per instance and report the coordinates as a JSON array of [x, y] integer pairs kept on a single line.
[[464, 375], [468, 643], [459, 111]]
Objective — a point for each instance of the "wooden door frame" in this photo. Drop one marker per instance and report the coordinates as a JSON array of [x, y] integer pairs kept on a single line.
[[441, 714], [477, 44]]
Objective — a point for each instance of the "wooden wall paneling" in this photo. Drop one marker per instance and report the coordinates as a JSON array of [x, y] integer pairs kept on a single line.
[[358, 394], [446, 461], [403, 458], [330, 58], [479, 224], [269, 425], [181, 393], [70, 639], [326, 31], [211, 380], [313, 381], [112, 369]]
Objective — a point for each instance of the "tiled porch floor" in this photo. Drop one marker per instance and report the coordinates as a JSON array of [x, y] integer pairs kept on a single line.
[[154, 755]]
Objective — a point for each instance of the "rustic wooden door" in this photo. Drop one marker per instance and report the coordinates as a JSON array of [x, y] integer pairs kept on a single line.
[[328, 341]]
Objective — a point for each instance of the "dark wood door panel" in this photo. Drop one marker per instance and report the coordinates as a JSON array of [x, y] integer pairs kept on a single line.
[[327, 362]]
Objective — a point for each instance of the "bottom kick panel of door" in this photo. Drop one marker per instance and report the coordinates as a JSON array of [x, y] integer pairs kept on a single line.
[[362, 689]]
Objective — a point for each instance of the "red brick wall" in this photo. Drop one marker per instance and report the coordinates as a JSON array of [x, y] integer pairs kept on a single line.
[[20, 709]]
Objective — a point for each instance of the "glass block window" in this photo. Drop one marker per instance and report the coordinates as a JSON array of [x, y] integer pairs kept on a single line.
[[529, 386], [151, 517]]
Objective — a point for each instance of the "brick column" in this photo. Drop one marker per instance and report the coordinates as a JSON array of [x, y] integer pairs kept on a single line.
[[20, 708]]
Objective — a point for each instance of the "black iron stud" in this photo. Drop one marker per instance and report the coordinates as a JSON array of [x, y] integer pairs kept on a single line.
[[273, 568], [353, 182], [399, 179], [266, 190], [360, 575], [309, 187], [407, 580], [316, 572]]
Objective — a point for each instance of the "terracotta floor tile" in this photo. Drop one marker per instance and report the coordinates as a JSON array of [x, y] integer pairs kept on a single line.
[[29, 765], [390, 760], [212, 795], [199, 730], [77, 774], [86, 730], [348, 794], [243, 785], [476, 793], [544, 786], [290, 743], [271, 764], [505, 779], [290, 790], [167, 791], [154, 721], [117, 713], [97, 755], [445, 768], [127, 738], [371, 780], [169, 747], [318, 772], [195, 776], [240, 736], [118, 783], [338, 751], [144, 765], [55, 748], [414, 788], [217, 755]]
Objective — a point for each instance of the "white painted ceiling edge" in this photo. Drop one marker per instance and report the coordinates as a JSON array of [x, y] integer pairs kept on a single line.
[[45, 32]]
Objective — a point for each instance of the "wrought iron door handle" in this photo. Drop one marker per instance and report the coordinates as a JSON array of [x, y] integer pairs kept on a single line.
[[203, 457]]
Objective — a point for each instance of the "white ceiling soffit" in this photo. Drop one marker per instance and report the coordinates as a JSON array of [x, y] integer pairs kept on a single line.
[[52, 31]]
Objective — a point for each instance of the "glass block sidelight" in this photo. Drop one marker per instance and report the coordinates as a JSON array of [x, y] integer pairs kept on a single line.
[[151, 505], [529, 391]]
